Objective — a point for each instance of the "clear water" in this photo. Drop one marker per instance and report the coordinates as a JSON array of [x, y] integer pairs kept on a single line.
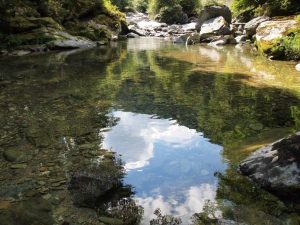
[[181, 119]]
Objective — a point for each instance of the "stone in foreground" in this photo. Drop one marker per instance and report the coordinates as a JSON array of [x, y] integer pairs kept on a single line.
[[276, 167]]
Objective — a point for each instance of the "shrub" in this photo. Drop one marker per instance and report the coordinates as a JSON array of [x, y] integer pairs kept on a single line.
[[288, 47], [267, 7], [141, 5], [156, 5], [190, 7], [172, 15], [122, 4]]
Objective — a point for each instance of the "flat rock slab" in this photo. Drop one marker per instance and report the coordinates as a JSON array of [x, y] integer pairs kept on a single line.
[[276, 167]]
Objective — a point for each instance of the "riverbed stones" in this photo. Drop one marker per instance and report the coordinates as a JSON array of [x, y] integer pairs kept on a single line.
[[15, 154], [251, 26], [276, 167], [213, 27], [241, 38]]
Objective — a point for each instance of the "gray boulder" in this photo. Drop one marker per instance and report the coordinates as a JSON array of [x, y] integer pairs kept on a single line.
[[213, 27], [251, 26], [298, 67], [67, 41], [276, 167], [209, 12]]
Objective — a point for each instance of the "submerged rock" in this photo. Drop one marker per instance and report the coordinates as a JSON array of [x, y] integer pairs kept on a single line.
[[209, 12], [214, 27], [33, 211], [276, 167]]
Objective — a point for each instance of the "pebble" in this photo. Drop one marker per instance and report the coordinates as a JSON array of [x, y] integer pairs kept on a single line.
[[47, 196], [19, 166]]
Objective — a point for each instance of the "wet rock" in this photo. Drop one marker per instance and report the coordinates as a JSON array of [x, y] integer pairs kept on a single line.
[[222, 41], [187, 39], [276, 167], [209, 12], [17, 154], [241, 39], [71, 42], [136, 30], [20, 52], [250, 27], [33, 211], [132, 35], [88, 186], [213, 27], [298, 67]]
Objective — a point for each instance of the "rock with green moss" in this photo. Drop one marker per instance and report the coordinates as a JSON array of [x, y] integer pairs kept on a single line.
[[279, 39], [59, 24]]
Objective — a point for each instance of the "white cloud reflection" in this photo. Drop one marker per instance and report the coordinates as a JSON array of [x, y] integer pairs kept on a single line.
[[135, 135], [195, 198]]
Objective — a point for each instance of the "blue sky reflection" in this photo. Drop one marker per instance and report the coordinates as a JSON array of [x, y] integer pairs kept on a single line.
[[171, 166]]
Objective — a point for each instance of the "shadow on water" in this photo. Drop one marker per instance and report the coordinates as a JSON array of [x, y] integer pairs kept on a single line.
[[59, 110]]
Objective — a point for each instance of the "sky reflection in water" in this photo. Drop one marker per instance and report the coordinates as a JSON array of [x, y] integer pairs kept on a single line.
[[171, 166]]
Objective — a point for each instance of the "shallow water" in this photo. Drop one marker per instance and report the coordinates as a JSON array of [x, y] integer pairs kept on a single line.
[[179, 118]]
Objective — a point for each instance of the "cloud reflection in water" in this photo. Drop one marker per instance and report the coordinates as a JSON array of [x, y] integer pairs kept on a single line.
[[170, 166]]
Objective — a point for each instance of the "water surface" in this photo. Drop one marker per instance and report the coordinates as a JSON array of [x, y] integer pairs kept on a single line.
[[178, 118]]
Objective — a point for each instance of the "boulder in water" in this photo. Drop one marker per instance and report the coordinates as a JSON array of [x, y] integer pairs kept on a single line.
[[276, 167]]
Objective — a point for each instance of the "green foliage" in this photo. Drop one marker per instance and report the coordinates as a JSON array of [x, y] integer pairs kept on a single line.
[[266, 7], [190, 7], [173, 14], [141, 5], [164, 219], [122, 4], [288, 47], [156, 5]]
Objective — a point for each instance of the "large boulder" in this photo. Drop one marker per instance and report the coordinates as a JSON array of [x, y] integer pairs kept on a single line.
[[250, 27], [214, 27], [276, 167], [209, 12], [279, 38]]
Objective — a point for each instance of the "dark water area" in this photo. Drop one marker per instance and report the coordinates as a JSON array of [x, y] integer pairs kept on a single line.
[[109, 135]]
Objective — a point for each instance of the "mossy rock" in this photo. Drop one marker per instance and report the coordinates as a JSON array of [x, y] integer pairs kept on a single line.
[[279, 38], [91, 30], [20, 24]]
